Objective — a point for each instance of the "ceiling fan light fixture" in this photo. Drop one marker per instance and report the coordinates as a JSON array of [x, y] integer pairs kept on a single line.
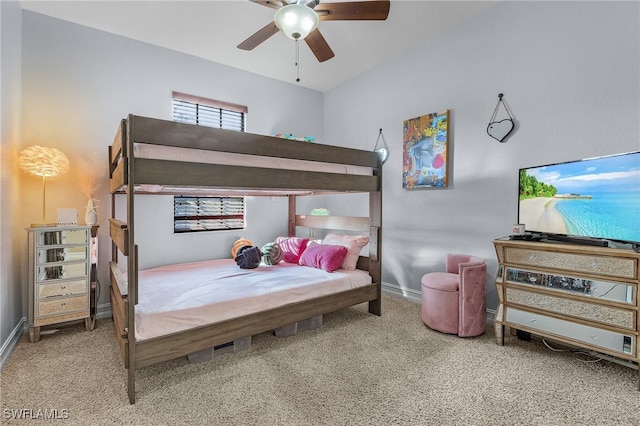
[[296, 21]]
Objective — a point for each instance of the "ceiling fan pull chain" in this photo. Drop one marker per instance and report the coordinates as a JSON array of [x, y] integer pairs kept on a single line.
[[297, 62]]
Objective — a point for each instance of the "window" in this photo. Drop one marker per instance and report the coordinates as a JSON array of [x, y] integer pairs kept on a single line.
[[207, 213], [208, 112], [196, 213]]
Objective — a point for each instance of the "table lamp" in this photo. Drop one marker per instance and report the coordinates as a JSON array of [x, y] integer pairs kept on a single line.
[[46, 162]]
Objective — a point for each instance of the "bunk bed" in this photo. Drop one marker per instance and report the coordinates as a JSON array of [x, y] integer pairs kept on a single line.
[[153, 156]]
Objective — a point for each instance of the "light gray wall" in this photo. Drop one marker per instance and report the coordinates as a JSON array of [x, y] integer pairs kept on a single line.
[[11, 295], [266, 218], [570, 75]]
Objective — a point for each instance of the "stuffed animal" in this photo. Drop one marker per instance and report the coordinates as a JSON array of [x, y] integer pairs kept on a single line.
[[239, 243], [272, 253], [248, 257]]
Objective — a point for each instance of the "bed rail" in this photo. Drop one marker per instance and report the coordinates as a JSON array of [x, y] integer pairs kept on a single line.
[[118, 164], [339, 223], [119, 309], [119, 233], [118, 146], [136, 129], [181, 173], [170, 133], [167, 347]]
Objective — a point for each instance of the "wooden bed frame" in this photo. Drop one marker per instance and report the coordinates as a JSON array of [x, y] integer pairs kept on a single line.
[[127, 171]]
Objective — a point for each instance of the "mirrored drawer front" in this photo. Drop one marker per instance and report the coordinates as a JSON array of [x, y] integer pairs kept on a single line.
[[62, 254], [589, 311], [616, 342], [596, 289], [72, 270], [63, 288], [62, 306], [617, 267], [63, 236]]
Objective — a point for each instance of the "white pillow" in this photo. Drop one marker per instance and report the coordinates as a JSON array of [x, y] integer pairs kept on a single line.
[[353, 243]]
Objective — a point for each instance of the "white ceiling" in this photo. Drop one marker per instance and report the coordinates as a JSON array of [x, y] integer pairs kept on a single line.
[[212, 30]]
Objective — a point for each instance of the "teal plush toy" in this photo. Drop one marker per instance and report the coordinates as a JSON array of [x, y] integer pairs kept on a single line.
[[271, 254]]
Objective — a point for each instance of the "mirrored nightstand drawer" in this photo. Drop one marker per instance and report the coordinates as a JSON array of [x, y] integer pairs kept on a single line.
[[62, 306], [56, 272], [62, 288], [63, 236], [62, 254]]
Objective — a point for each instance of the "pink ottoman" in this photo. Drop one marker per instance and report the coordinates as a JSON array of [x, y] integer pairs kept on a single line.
[[454, 301]]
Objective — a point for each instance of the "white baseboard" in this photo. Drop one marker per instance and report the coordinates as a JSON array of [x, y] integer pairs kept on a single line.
[[405, 293], [416, 297], [103, 311], [10, 343]]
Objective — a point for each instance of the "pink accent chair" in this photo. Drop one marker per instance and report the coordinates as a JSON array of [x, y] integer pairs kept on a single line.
[[454, 302]]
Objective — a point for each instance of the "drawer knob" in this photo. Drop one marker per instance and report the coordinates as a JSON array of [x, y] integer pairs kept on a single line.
[[533, 321]]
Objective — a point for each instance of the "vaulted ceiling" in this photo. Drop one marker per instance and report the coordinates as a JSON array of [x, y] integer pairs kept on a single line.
[[213, 29]]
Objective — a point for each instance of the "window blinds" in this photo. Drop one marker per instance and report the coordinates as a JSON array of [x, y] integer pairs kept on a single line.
[[205, 213]]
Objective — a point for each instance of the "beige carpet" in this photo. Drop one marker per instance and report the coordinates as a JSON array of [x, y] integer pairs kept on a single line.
[[357, 369]]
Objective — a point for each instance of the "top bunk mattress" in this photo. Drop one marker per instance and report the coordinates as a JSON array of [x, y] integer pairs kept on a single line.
[[191, 155], [175, 298]]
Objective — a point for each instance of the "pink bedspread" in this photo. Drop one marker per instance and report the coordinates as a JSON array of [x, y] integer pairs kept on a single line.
[[178, 297]]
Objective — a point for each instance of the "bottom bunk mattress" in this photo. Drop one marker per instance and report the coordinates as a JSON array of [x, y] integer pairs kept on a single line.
[[175, 298]]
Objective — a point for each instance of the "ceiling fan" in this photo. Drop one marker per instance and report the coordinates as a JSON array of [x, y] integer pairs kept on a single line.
[[298, 19]]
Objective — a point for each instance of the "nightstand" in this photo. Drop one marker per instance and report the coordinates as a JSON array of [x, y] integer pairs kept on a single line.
[[60, 269]]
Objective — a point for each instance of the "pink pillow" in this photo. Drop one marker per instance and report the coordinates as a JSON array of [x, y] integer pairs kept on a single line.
[[292, 247], [353, 243], [323, 256]]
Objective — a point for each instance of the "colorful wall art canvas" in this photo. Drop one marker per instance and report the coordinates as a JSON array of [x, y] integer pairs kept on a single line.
[[425, 151]]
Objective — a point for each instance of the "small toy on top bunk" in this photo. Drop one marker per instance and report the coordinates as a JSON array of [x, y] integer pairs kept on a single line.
[[295, 138]]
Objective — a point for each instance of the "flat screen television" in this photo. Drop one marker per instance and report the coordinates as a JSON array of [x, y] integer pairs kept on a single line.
[[590, 199]]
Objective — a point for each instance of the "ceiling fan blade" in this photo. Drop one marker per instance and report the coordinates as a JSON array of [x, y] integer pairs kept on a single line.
[[273, 4], [319, 46], [259, 36], [354, 11]]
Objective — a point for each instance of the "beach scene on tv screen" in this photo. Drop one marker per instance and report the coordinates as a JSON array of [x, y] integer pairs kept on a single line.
[[597, 198]]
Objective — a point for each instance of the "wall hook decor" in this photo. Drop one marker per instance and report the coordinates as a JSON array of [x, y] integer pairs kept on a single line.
[[499, 130], [383, 149]]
